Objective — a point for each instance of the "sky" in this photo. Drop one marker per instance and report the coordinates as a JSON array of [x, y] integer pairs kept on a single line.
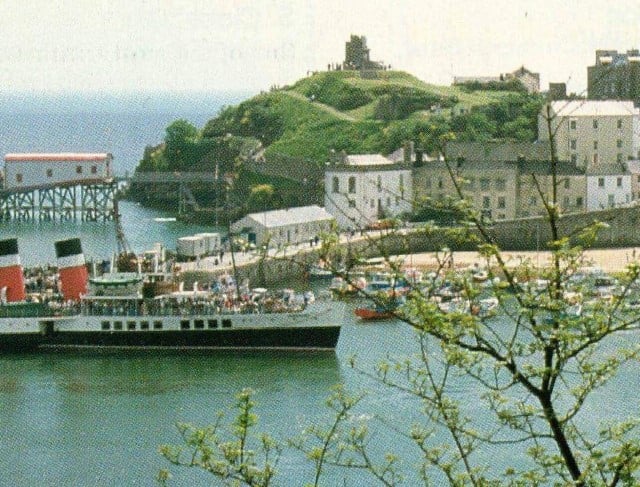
[[244, 45]]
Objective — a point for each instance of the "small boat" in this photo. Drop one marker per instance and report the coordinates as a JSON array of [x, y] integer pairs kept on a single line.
[[373, 314]]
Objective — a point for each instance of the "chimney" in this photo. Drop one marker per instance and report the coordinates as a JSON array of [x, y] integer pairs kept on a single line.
[[11, 276], [72, 269]]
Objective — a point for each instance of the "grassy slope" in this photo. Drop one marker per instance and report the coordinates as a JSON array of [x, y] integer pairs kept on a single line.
[[335, 111]]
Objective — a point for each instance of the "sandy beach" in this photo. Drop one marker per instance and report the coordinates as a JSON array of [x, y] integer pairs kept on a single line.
[[610, 260]]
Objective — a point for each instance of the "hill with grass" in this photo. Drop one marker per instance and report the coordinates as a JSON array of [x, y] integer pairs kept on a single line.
[[284, 137]]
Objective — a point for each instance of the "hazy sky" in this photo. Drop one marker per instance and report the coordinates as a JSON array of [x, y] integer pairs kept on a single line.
[[198, 45]]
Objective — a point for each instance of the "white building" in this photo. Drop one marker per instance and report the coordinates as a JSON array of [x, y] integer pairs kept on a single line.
[[284, 227], [608, 189], [362, 189], [36, 169], [593, 133]]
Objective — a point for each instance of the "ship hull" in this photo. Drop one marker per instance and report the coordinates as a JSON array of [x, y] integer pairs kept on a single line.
[[19, 342], [315, 338]]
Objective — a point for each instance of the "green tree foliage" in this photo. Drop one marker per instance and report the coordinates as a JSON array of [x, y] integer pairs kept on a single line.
[[261, 198], [180, 141], [396, 103], [258, 117], [508, 85]]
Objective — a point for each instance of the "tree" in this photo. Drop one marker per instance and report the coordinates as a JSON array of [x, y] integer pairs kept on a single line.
[[535, 361], [179, 140]]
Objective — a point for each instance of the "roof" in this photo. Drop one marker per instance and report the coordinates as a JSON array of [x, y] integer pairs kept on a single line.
[[544, 168], [613, 169], [498, 151], [594, 108], [56, 157], [290, 216], [367, 160]]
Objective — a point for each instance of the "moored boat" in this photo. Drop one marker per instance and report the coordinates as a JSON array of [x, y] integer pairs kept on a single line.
[[114, 312]]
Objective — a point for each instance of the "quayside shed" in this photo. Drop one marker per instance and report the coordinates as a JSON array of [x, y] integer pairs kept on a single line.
[[284, 227]]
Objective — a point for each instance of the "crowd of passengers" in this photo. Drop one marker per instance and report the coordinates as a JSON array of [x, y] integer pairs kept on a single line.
[[186, 306]]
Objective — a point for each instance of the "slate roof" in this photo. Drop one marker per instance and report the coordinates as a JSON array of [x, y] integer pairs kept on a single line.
[[594, 108], [498, 151]]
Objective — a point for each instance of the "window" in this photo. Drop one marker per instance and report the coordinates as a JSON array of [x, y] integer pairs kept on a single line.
[[19, 178], [566, 202], [117, 325], [619, 123], [566, 183], [601, 182], [579, 201], [198, 324], [379, 183], [574, 158], [336, 184], [502, 202], [619, 158], [185, 325], [144, 325], [574, 144], [388, 200], [439, 183], [78, 169], [501, 184], [619, 143], [595, 145], [49, 173], [212, 323], [486, 202], [484, 184], [352, 204], [638, 179], [595, 123], [572, 124], [533, 201], [595, 158], [226, 323], [105, 325], [611, 200], [352, 184], [131, 325], [619, 182], [94, 170], [157, 325]]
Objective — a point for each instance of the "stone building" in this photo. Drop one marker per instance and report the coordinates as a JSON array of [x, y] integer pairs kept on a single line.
[[591, 134], [615, 76], [356, 55], [501, 180]]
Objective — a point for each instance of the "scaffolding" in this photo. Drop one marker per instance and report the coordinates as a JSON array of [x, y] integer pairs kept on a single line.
[[84, 201]]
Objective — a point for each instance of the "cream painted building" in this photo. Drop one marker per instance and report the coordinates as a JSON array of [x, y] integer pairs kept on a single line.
[[361, 189], [593, 134]]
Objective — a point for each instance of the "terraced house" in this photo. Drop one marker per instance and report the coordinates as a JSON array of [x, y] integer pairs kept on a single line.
[[502, 180]]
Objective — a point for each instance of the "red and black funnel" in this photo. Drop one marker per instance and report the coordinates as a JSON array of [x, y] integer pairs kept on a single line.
[[11, 276], [74, 276]]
